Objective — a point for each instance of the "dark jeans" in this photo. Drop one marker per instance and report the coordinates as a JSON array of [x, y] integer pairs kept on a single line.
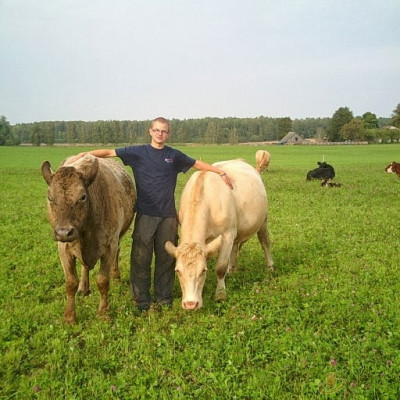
[[150, 234]]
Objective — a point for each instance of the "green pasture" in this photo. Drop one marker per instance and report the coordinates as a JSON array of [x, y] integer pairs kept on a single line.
[[324, 325]]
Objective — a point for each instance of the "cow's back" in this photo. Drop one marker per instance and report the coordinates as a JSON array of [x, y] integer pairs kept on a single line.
[[112, 195], [207, 197]]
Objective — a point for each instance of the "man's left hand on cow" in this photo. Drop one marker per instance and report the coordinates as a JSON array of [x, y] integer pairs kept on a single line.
[[202, 166]]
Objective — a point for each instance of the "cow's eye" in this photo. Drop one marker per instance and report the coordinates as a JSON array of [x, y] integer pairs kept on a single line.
[[83, 197], [203, 272], [51, 200]]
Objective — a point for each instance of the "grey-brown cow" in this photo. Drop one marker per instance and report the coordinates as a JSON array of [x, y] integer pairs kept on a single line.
[[90, 207]]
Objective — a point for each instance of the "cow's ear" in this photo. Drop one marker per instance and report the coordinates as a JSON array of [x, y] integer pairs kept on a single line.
[[89, 171], [47, 172], [170, 248], [213, 246]]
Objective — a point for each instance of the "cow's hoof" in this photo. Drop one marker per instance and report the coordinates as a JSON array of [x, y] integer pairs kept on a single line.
[[70, 319], [232, 269], [270, 268], [103, 312], [84, 292], [116, 275], [220, 295], [105, 316]]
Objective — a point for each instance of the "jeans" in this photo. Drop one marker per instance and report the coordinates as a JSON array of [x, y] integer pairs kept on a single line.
[[149, 235]]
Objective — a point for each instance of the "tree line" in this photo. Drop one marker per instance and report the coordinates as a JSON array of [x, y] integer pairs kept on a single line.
[[340, 127]]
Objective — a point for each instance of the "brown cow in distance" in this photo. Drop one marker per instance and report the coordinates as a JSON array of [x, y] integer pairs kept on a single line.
[[393, 168], [90, 207]]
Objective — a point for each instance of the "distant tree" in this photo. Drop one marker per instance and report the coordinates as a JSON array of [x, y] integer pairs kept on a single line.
[[222, 136], [5, 131], [211, 133], [353, 130], [253, 129], [340, 118], [270, 129], [71, 132], [382, 121], [395, 135], [370, 121], [310, 127], [320, 135], [396, 117], [284, 126], [48, 133], [180, 134], [233, 137], [372, 135], [389, 135], [36, 137]]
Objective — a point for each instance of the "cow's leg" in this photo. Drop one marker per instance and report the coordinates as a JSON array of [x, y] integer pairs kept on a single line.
[[221, 267], [115, 267], [233, 264], [263, 237], [232, 259], [68, 262], [84, 286], [103, 278]]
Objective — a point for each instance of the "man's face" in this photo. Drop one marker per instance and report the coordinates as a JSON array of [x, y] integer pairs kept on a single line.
[[159, 133]]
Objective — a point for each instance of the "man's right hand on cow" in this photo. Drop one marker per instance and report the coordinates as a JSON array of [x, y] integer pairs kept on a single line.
[[76, 157], [102, 153]]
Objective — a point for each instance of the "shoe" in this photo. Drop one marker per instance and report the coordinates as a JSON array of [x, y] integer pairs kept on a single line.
[[165, 306], [143, 307]]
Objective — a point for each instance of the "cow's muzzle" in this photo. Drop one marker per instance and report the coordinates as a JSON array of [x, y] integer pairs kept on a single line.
[[65, 234], [190, 305]]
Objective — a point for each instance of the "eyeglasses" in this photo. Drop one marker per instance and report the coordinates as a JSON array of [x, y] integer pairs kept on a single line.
[[158, 131]]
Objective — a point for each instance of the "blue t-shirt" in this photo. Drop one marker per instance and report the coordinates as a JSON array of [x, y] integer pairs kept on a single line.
[[155, 172]]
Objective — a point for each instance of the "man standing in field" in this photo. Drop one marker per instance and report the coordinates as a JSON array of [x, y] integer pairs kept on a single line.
[[155, 167]]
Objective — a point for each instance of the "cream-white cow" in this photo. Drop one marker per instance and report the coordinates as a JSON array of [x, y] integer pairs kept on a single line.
[[215, 218]]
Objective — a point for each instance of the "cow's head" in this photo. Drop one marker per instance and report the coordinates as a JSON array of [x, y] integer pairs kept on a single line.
[[393, 167], [324, 182], [67, 197], [191, 268]]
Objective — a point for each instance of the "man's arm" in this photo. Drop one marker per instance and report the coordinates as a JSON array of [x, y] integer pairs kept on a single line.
[[101, 153], [203, 166]]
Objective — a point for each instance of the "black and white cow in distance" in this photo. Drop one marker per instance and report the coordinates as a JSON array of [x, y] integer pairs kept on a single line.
[[326, 183], [324, 171]]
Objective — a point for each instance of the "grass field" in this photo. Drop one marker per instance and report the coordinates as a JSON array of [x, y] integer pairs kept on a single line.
[[324, 325]]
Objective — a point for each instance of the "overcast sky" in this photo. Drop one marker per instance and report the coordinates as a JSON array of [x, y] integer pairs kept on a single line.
[[95, 60]]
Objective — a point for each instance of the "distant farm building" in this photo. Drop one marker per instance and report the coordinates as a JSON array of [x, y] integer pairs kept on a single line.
[[291, 138]]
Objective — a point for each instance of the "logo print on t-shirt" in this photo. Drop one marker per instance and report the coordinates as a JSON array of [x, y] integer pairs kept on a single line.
[[169, 160]]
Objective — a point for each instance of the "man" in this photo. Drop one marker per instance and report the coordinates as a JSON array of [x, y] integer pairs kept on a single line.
[[155, 167]]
